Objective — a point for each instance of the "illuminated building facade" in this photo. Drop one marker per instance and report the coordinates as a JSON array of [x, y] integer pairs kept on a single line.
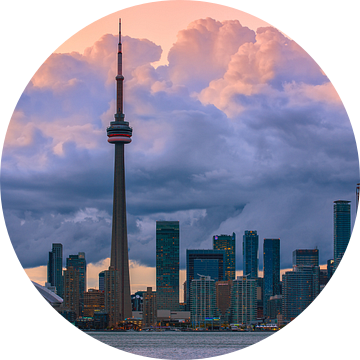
[[78, 262], [227, 243]]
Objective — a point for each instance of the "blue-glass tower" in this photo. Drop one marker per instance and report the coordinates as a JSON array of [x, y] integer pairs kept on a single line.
[[167, 265], [205, 263], [54, 269], [271, 249], [342, 229], [250, 254]]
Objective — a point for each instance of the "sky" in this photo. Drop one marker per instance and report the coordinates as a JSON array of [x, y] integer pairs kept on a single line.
[[235, 127]]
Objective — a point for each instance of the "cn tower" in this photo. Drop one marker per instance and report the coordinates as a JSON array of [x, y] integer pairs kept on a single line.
[[117, 281]]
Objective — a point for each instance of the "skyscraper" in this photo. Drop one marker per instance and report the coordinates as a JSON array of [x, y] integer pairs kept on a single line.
[[251, 254], [205, 263], [342, 229], [243, 300], [54, 269], [71, 290], [308, 257], [271, 250], [167, 265], [203, 300], [78, 262], [227, 243], [300, 287], [117, 280]]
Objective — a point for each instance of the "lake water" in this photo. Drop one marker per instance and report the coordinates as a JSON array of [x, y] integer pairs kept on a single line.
[[180, 345]]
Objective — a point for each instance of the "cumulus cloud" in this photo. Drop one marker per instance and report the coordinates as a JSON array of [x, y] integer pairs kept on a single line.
[[203, 50], [265, 67], [240, 131]]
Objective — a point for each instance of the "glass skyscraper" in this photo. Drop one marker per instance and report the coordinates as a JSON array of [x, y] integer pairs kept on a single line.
[[309, 257], [342, 229], [78, 263], [271, 251], [227, 243], [54, 269], [203, 263], [250, 254], [167, 265], [300, 287]]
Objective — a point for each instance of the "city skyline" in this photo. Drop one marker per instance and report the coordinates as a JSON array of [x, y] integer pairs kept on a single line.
[[275, 168]]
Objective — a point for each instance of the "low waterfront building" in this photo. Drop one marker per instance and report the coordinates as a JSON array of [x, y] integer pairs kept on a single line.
[[274, 306], [149, 316], [93, 300]]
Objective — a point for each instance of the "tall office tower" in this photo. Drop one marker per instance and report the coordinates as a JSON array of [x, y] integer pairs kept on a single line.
[[119, 133], [342, 229], [227, 243], [203, 300], [78, 262], [72, 290], [167, 265], [271, 249], [357, 195], [274, 306], [251, 254], [243, 300], [308, 257], [300, 287], [54, 269], [149, 308], [206, 263]]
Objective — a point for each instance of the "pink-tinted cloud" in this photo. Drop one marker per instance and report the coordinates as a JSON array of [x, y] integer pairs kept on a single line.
[[266, 67], [203, 50]]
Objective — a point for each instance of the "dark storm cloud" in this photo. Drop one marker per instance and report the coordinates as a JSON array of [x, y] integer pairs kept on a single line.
[[254, 140]]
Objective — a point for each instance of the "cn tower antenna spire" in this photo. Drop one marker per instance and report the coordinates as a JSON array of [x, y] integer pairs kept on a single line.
[[119, 78]]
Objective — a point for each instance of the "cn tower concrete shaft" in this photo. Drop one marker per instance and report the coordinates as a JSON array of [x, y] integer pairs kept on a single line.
[[119, 243]]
